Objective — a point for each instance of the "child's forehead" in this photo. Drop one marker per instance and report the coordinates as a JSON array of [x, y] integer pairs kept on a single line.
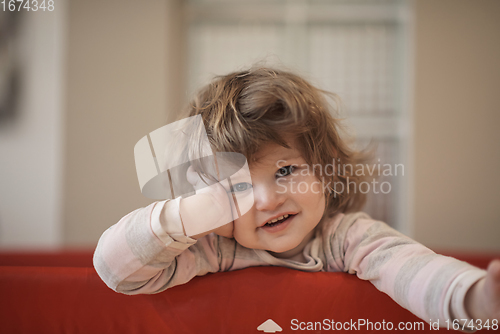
[[272, 154]]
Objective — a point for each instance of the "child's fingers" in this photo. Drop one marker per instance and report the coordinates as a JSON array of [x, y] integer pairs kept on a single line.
[[209, 209], [492, 283], [492, 288], [215, 205], [202, 213], [494, 269]]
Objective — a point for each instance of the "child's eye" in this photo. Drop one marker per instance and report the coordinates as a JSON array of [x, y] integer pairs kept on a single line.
[[242, 186], [285, 171]]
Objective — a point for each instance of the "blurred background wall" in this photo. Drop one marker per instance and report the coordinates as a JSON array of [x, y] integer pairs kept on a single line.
[[32, 70], [115, 70], [457, 123]]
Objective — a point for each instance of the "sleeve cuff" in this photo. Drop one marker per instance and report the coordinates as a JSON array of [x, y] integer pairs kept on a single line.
[[168, 226], [455, 297]]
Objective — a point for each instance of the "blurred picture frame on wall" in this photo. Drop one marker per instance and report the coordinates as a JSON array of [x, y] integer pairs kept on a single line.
[[10, 76]]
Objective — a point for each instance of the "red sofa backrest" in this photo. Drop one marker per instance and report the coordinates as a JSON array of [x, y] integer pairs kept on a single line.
[[75, 300]]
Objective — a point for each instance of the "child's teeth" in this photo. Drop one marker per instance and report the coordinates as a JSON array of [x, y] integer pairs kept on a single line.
[[279, 218], [272, 221]]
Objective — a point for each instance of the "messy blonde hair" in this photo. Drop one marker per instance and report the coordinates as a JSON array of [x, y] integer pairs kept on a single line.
[[243, 110]]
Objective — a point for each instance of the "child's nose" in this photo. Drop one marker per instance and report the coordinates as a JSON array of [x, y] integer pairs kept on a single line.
[[267, 197]]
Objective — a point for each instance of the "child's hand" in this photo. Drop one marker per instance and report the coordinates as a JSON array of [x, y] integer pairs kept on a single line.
[[483, 299], [209, 210]]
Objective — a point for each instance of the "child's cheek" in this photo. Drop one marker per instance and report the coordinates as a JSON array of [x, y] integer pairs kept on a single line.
[[241, 235], [306, 183]]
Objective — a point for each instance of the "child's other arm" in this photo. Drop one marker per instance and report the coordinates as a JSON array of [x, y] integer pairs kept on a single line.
[[147, 251], [429, 285]]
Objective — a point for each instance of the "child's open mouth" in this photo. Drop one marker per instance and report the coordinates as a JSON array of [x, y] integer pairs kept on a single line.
[[279, 223]]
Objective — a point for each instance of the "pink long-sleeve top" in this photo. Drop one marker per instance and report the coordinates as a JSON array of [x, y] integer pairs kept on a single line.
[[146, 252]]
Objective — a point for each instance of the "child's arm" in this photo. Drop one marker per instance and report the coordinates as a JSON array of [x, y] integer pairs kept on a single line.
[[131, 258], [149, 250], [429, 285]]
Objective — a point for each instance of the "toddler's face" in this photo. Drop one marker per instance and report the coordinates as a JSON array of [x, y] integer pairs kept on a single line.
[[283, 187]]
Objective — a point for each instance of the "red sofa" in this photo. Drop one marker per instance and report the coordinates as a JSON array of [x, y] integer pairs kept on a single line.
[[61, 293]]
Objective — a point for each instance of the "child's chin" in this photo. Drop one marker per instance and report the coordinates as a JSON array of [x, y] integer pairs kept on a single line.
[[282, 248]]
